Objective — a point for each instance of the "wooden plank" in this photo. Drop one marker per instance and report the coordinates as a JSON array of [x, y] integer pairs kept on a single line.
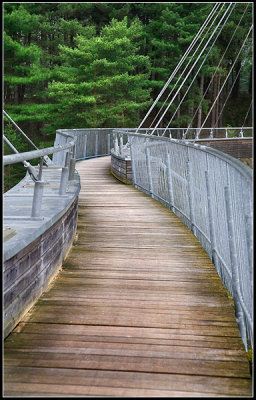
[[116, 379], [235, 369], [137, 310]]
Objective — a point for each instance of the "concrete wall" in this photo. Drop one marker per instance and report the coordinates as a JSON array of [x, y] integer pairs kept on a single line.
[[35, 249], [121, 169]]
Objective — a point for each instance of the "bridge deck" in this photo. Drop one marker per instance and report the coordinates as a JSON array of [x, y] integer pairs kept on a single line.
[[137, 310]]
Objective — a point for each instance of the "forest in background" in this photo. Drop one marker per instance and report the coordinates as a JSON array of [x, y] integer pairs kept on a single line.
[[82, 65]]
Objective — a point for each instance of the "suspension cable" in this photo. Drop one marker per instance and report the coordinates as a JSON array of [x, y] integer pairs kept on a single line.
[[247, 114], [194, 64], [46, 159], [226, 78], [193, 55], [199, 69], [180, 63], [230, 91], [223, 55], [31, 170]]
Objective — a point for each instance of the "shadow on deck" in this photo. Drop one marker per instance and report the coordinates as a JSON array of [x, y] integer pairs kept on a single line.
[[137, 310]]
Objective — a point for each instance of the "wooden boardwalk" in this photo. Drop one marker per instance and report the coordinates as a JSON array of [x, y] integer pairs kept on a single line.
[[138, 309]]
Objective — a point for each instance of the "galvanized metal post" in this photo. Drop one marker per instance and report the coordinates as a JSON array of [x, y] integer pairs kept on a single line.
[[190, 197], [108, 143], [116, 147], [37, 199], [64, 176], [72, 165], [121, 145], [149, 171], [96, 144], [169, 180], [40, 168], [211, 222], [38, 194], [130, 139], [233, 258], [85, 144]]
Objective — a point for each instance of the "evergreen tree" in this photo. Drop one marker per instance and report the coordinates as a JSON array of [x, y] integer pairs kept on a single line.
[[102, 82]]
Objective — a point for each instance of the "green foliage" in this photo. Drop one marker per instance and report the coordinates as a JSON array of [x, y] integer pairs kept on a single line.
[[13, 173], [103, 89], [70, 65]]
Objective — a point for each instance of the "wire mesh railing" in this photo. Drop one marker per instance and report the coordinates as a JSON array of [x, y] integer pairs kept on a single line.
[[212, 193], [193, 133], [209, 190]]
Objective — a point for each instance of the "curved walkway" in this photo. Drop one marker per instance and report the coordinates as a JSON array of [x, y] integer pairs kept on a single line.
[[137, 310]]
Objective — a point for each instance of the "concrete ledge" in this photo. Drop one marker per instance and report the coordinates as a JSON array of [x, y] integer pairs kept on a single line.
[[35, 249], [121, 168]]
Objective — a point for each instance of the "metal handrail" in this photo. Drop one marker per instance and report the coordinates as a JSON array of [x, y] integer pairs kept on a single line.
[[247, 172], [67, 173], [30, 155], [206, 189], [193, 133]]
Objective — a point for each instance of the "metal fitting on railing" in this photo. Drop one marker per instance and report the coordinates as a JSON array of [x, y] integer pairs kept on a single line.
[[116, 147], [72, 164], [121, 145], [64, 176], [38, 193]]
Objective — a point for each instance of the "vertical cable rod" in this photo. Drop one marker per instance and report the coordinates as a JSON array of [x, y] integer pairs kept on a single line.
[[211, 36], [179, 64]]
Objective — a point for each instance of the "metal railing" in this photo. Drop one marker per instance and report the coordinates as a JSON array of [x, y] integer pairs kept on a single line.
[[212, 194], [96, 142], [91, 142], [193, 133], [67, 151], [209, 190]]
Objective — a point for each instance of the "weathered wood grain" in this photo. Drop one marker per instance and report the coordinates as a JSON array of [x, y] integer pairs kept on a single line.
[[138, 309]]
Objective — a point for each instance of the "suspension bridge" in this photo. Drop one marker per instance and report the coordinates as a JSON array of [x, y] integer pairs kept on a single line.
[[139, 290]]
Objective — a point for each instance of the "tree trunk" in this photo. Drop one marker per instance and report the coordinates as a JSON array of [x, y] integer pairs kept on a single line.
[[217, 107], [235, 90], [221, 102], [199, 116], [214, 94], [250, 82]]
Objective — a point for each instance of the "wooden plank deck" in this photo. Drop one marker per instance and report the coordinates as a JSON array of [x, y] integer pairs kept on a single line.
[[138, 309]]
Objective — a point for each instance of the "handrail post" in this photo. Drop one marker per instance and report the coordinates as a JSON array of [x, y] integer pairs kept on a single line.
[[72, 165], [233, 259], [121, 145], [64, 176], [38, 194], [169, 180], [190, 197], [96, 144], [85, 144], [130, 139], [149, 171], [211, 224], [116, 147], [108, 143]]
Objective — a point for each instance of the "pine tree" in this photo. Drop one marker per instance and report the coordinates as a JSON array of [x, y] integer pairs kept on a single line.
[[102, 82]]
